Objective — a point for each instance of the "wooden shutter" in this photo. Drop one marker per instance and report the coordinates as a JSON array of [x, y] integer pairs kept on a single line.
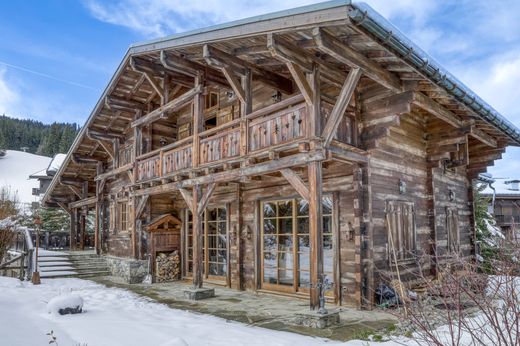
[[400, 222], [452, 229]]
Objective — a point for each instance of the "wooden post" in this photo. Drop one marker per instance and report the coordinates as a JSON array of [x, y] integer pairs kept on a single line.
[[246, 107], [197, 238], [72, 230], [315, 230], [314, 127], [99, 170], [198, 122], [82, 225]]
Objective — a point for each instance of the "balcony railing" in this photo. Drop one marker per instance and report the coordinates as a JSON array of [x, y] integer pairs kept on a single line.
[[272, 126]]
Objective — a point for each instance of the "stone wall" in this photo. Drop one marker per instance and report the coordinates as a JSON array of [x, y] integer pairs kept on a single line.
[[131, 270]]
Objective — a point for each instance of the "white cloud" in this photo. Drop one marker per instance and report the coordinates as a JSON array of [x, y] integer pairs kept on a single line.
[[20, 99], [495, 79], [158, 18], [9, 96]]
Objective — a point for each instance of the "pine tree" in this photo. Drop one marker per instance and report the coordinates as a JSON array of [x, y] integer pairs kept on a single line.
[[488, 233]]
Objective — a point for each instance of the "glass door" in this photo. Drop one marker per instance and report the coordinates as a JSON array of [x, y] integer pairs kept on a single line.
[[215, 243], [286, 245]]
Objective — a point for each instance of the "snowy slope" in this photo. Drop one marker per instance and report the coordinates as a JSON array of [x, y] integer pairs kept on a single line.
[[15, 168]]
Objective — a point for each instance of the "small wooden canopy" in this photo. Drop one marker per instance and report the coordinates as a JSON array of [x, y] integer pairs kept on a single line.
[[163, 222]]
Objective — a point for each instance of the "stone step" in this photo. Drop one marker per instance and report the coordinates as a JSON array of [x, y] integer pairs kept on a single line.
[[59, 274], [56, 269], [52, 259], [53, 263]]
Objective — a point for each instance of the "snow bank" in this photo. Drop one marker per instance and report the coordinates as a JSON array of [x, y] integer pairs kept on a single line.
[[65, 304], [15, 168]]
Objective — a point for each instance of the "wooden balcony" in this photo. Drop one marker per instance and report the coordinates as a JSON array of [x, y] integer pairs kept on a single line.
[[272, 127]]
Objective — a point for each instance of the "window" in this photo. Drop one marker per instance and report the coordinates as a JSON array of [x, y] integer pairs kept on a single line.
[[214, 249], [452, 229], [211, 100], [400, 222], [123, 216], [286, 243]]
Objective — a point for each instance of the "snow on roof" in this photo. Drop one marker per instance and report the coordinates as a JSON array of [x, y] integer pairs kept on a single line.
[[15, 168], [40, 174], [56, 163], [503, 187]]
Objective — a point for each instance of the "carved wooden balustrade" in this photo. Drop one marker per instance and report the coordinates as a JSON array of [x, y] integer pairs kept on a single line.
[[272, 127]]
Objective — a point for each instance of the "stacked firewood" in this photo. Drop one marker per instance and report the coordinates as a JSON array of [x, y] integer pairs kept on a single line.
[[168, 267]]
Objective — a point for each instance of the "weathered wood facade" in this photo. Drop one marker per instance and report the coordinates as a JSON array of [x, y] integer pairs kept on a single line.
[[290, 146]]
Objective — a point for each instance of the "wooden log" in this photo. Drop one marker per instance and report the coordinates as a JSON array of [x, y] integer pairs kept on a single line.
[[315, 230], [197, 239]]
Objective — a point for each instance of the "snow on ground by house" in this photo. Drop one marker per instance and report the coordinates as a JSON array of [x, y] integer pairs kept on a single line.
[[113, 316], [15, 168]]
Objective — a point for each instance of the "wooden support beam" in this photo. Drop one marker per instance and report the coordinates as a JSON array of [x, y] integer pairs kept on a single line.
[[115, 103], [343, 53], [483, 137], [220, 59], [171, 106], [102, 136], [346, 153], [85, 202], [71, 181], [341, 105], [301, 81], [140, 206], [65, 207], [139, 68], [424, 102], [85, 159], [205, 198], [75, 190], [315, 230], [115, 171], [235, 83], [287, 52], [296, 182], [236, 174], [190, 68], [197, 238], [187, 198]]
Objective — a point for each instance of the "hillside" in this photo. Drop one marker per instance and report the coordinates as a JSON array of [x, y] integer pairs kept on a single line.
[[36, 137], [15, 168]]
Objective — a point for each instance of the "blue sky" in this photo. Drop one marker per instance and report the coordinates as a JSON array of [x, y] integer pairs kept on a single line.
[[56, 56]]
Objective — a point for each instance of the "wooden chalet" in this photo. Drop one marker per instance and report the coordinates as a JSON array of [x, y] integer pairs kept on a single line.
[[309, 142]]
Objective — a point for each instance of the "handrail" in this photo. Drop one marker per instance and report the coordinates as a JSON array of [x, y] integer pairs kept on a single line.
[[276, 106], [165, 148], [220, 128]]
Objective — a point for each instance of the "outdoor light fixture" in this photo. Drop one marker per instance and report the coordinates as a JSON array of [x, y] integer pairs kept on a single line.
[[163, 141], [451, 195], [230, 94], [276, 97], [402, 187]]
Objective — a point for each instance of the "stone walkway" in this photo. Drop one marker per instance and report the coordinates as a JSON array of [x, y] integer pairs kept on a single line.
[[262, 309]]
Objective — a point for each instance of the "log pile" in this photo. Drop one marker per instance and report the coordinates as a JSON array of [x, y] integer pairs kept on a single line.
[[168, 267]]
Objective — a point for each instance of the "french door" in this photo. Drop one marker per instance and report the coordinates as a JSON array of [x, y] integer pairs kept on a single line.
[[215, 242], [285, 244]]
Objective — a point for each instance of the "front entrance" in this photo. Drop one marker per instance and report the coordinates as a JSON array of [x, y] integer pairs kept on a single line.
[[285, 244], [215, 243]]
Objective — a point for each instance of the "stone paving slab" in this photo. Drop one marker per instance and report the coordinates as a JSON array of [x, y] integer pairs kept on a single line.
[[258, 309]]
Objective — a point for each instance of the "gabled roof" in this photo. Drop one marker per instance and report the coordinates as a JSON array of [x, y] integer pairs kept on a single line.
[[359, 26]]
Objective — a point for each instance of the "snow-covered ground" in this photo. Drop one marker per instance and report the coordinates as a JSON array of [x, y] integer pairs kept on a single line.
[[15, 168], [113, 316]]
